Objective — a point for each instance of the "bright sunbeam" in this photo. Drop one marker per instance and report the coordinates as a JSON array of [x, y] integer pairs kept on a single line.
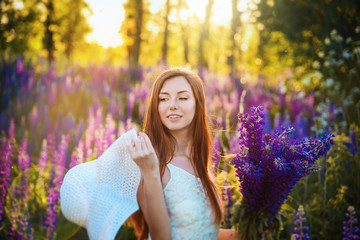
[[198, 7], [106, 21], [222, 12], [108, 16]]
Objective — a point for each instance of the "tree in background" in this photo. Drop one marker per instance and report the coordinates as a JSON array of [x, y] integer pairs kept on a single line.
[[19, 26], [166, 32], [184, 32], [43, 27], [204, 35], [321, 40], [235, 24], [305, 24], [132, 28], [73, 25], [50, 27]]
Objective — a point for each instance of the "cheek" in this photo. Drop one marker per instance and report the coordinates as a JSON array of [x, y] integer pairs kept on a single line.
[[191, 108], [161, 110]]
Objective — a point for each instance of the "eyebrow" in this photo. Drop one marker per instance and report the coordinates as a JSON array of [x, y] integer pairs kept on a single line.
[[183, 91]]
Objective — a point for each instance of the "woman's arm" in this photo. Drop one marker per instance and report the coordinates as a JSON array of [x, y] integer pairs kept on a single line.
[[150, 194], [227, 234]]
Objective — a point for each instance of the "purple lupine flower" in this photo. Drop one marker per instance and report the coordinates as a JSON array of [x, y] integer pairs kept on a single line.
[[77, 155], [43, 156], [22, 189], [110, 131], [131, 102], [73, 160], [268, 166], [300, 229], [121, 129], [113, 107], [6, 150], [69, 123], [89, 135], [128, 124], [5, 163], [56, 169], [79, 132], [14, 231], [352, 145], [51, 147], [51, 212], [267, 122], [61, 159], [226, 196], [301, 126], [297, 106], [350, 230], [99, 135], [25, 227]]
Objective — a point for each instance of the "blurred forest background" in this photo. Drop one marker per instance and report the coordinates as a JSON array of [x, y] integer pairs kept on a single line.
[[254, 36], [66, 96]]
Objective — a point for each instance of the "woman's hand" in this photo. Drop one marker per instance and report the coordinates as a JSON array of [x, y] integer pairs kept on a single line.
[[150, 194], [142, 152]]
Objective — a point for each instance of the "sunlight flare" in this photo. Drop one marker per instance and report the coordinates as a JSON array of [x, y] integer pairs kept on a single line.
[[106, 21]]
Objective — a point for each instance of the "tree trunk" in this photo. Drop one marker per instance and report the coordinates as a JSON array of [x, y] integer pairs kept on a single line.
[[49, 34], [137, 44], [184, 32], [74, 21], [235, 22], [204, 34], [166, 33]]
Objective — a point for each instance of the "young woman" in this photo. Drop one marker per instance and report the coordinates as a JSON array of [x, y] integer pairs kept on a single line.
[[178, 197]]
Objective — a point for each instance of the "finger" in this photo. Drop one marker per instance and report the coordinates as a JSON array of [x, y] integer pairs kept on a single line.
[[148, 142], [138, 146], [143, 143]]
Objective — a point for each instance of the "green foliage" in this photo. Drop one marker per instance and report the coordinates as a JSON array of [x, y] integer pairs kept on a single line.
[[26, 25], [308, 21], [126, 232], [255, 225], [339, 65], [19, 25], [327, 195], [73, 25]]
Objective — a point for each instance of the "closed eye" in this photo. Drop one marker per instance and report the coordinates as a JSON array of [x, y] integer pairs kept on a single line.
[[162, 99], [183, 98]]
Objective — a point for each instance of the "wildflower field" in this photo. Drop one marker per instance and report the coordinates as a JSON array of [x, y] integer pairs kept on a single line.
[[282, 85], [51, 122]]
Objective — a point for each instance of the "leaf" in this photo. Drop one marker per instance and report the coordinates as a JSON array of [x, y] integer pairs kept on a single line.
[[287, 207]]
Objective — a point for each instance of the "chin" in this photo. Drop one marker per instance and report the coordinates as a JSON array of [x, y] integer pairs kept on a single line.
[[178, 128]]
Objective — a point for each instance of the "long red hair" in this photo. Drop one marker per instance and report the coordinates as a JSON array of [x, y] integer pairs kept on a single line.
[[164, 143]]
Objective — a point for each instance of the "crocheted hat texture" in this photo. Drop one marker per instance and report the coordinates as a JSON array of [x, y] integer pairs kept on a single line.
[[101, 194]]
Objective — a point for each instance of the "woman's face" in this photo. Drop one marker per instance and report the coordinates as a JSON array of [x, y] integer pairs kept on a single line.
[[176, 104]]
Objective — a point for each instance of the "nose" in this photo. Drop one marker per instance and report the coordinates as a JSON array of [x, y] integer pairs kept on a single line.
[[173, 104]]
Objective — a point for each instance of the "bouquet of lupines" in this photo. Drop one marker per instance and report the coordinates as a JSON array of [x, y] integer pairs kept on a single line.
[[268, 166]]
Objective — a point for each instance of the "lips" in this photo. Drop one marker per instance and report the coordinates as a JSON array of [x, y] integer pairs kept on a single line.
[[174, 116]]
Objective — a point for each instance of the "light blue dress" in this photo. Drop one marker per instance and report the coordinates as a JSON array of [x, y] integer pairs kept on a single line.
[[189, 209]]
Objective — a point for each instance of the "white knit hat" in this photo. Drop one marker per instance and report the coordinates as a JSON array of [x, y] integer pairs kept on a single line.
[[101, 194]]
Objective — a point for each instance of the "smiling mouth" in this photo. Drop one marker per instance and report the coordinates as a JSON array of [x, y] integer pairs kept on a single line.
[[174, 116]]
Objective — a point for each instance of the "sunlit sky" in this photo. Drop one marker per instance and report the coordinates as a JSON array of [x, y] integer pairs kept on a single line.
[[108, 15]]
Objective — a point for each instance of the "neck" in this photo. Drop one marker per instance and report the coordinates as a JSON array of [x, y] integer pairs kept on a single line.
[[183, 142]]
